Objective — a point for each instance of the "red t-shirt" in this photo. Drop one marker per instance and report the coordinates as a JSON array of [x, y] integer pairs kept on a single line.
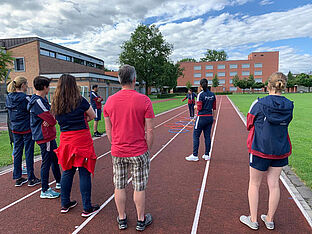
[[127, 110]]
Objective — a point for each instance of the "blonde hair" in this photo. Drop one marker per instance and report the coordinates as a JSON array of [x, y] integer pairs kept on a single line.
[[16, 84], [277, 81]]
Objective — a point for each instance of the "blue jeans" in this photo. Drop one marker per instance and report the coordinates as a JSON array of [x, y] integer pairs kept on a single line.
[[21, 140], [85, 186], [202, 123], [191, 109], [49, 159]]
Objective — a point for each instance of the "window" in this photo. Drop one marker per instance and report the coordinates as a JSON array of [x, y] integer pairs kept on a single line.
[[197, 75], [245, 65], [221, 66], [258, 73], [47, 53], [209, 67], [233, 73], [245, 73], [99, 66], [222, 81], [233, 88], [89, 64], [209, 74], [258, 80], [232, 66], [80, 61], [231, 81], [197, 67], [221, 73], [64, 57], [19, 64], [209, 82], [258, 64], [196, 82]]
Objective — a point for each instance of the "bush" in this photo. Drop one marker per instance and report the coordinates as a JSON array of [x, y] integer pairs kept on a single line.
[[166, 95], [223, 93]]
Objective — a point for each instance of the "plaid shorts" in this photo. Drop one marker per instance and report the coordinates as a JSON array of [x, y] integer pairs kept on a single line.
[[139, 168]]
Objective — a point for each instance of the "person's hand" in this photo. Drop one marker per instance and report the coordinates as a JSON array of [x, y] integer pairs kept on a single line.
[[195, 107], [45, 124]]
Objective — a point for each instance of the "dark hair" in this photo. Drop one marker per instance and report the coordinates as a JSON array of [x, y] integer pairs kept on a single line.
[[67, 96], [94, 86], [204, 84], [191, 90], [40, 82], [126, 74]]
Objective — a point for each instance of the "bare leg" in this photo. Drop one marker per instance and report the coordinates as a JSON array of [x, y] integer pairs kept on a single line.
[[120, 200], [95, 126], [139, 200], [274, 191], [253, 191]]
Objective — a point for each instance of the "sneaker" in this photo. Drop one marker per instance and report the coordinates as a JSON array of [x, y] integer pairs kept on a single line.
[[122, 223], [24, 170], [34, 182], [58, 186], [269, 225], [19, 182], [50, 193], [71, 204], [91, 211], [97, 134], [206, 157], [247, 221], [192, 158], [141, 225]]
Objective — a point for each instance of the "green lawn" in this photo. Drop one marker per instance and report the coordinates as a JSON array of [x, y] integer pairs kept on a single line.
[[300, 130], [6, 150]]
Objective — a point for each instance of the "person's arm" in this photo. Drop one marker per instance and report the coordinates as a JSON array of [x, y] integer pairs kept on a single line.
[[108, 127], [214, 107], [149, 126], [43, 113], [252, 115], [90, 114]]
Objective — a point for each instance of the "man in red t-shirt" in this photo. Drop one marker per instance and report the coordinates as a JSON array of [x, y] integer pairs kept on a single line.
[[128, 114]]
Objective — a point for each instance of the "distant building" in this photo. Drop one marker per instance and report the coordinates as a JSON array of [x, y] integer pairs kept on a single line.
[[259, 64]]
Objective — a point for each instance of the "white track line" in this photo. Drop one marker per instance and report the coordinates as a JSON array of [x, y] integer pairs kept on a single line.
[[203, 186], [81, 226], [300, 202]]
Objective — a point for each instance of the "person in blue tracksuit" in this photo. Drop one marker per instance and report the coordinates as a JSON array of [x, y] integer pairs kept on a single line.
[[269, 147], [16, 103], [190, 96], [206, 105]]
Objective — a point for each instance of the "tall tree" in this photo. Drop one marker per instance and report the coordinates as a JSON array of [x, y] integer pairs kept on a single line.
[[5, 60], [251, 81], [148, 52], [214, 55], [169, 76], [291, 81], [235, 80], [188, 60], [242, 84], [215, 81]]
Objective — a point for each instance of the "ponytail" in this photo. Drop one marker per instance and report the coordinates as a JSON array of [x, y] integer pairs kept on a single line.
[[204, 84], [16, 84]]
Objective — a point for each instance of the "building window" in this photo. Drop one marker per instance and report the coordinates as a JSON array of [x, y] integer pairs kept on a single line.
[[196, 82], [233, 88], [197, 75], [209, 67], [209, 74], [258, 80], [245, 65], [232, 66], [221, 66], [245, 73], [258, 64], [99, 66], [258, 73], [47, 53], [19, 64], [197, 67], [222, 81], [221, 73], [231, 81], [89, 64], [64, 57], [80, 61], [209, 82], [233, 73]]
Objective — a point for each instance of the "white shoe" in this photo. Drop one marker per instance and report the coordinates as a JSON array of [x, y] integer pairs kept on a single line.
[[192, 158], [206, 157]]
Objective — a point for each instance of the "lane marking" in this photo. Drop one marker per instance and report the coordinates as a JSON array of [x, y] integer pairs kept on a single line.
[[299, 200], [203, 186]]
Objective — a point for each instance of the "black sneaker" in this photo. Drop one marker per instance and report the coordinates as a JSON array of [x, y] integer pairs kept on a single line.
[[97, 134], [91, 211], [34, 182], [19, 182], [71, 204], [141, 225], [122, 223]]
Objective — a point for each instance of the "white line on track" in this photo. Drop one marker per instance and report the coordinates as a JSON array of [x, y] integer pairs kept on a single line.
[[201, 194], [300, 202]]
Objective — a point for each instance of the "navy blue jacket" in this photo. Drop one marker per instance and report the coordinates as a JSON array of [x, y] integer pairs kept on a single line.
[[268, 121], [206, 102], [191, 98], [16, 104]]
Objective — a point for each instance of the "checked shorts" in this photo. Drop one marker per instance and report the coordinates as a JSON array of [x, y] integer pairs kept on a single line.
[[139, 167]]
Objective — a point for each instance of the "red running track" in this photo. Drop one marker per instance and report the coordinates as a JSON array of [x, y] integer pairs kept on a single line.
[[172, 192]]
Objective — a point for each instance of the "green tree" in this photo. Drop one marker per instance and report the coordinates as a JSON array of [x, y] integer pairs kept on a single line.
[[215, 81], [188, 85], [214, 55], [5, 60], [251, 81], [258, 85], [291, 81], [148, 52], [242, 84], [169, 76], [188, 60], [304, 80], [235, 80]]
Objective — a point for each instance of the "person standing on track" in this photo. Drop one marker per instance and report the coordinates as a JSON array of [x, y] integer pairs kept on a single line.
[[269, 147], [73, 112], [42, 124], [128, 114], [96, 101], [190, 96], [206, 106], [19, 116]]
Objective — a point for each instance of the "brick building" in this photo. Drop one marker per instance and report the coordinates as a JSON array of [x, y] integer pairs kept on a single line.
[[259, 64]]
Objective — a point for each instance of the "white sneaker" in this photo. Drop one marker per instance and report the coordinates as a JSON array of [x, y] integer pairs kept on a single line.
[[192, 158], [206, 157]]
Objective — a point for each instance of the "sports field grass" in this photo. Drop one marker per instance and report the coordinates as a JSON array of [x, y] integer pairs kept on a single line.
[[6, 150], [300, 130]]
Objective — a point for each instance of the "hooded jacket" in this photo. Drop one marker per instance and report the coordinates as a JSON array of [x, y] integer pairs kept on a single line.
[[191, 98], [39, 112], [267, 121], [16, 104]]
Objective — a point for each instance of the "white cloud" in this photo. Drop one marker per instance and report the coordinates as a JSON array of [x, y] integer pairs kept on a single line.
[[266, 2]]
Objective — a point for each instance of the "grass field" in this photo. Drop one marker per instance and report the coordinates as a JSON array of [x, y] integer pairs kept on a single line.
[[6, 150], [300, 130]]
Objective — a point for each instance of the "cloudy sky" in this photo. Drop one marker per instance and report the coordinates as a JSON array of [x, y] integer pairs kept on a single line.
[[100, 27]]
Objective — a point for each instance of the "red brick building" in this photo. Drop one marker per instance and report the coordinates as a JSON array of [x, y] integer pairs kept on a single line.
[[259, 64]]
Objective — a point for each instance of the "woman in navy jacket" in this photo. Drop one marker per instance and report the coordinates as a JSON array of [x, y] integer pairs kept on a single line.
[[269, 147], [190, 96]]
